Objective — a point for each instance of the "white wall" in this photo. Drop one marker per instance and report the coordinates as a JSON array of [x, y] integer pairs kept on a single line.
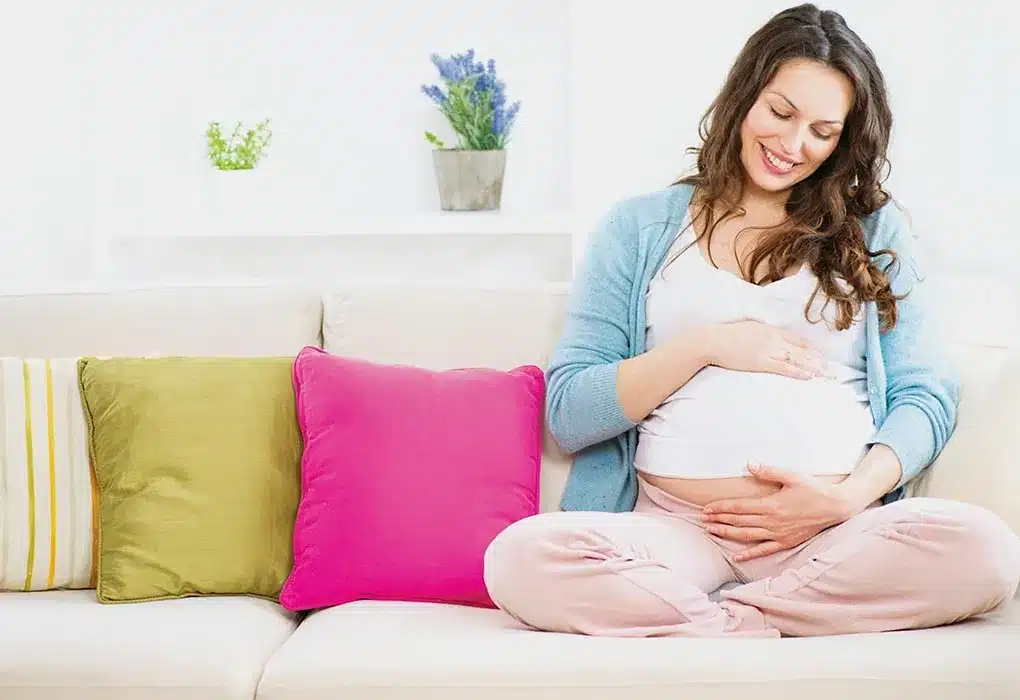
[[46, 197], [341, 83], [108, 178], [108, 100]]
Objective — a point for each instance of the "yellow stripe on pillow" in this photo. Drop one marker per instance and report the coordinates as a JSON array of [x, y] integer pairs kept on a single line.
[[46, 493]]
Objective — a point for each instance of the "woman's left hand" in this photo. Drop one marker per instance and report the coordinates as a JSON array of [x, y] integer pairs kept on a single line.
[[801, 509]]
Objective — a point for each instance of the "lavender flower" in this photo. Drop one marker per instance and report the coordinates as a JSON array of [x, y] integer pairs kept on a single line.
[[434, 93], [474, 102]]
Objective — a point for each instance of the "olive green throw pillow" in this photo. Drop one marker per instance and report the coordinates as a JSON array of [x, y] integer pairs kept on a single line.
[[198, 464]]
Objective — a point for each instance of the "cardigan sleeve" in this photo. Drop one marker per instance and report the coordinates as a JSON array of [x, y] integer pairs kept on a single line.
[[922, 390], [582, 406]]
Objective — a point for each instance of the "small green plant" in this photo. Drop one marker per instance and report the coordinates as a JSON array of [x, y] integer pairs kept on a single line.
[[240, 151]]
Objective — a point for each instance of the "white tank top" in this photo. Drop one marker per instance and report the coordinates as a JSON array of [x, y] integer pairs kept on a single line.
[[722, 420]]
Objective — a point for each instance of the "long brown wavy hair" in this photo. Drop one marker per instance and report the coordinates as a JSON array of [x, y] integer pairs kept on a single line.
[[822, 226]]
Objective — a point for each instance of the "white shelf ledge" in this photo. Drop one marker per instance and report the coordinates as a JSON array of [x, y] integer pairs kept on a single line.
[[254, 204], [495, 223]]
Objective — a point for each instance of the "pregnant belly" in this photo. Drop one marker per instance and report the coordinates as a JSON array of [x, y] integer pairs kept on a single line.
[[697, 445], [701, 492]]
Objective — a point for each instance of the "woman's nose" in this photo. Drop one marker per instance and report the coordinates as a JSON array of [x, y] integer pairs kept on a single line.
[[792, 142]]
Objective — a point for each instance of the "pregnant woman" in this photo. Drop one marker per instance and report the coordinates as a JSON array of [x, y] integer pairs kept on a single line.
[[746, 380]]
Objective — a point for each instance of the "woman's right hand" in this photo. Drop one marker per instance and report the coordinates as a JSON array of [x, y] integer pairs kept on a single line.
[[752, 346]]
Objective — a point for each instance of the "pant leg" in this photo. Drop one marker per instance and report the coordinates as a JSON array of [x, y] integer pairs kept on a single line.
[[915, 563], [637, 574]]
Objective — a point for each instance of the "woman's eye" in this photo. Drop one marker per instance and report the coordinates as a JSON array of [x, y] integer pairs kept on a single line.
[[784, 117]]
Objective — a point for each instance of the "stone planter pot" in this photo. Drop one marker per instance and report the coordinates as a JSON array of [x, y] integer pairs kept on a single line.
[[469, 180]]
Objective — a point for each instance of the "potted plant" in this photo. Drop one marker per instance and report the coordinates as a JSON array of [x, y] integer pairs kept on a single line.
[[234, 200], [469, 176]]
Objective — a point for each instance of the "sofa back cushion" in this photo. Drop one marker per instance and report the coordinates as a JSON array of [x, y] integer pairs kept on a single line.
[[256, 320], [443, 326], [980, 320], [981, 463], [451, 326]]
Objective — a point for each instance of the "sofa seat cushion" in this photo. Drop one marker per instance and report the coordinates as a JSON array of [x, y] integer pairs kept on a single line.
[[64, 645], [428, 651]]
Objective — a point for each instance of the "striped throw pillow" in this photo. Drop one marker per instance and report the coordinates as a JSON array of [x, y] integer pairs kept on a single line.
[[47, 490]]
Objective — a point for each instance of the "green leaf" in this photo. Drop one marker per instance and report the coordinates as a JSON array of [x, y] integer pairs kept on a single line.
[[243, 150]]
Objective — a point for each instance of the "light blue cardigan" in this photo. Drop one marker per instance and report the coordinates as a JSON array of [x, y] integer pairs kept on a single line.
[[914, 394]]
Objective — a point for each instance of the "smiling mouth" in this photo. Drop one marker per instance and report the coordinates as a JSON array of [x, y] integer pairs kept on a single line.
[[776, 164]]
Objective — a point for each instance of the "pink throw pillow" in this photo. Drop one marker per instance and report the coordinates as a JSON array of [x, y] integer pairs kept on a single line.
[[407, 476]]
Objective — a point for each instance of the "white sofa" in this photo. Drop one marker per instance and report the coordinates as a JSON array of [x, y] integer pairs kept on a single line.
[[66, 645]]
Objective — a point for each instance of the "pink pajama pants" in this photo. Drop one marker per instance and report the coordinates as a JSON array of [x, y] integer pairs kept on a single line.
[[916, 563]]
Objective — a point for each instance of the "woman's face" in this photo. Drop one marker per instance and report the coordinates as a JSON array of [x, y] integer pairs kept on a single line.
[[794, 125]]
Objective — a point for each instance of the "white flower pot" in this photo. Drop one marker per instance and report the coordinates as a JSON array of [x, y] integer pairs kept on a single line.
[[238, 200]]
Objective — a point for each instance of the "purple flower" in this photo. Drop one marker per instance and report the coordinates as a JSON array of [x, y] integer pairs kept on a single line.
[[503, 121], [457, 67], [434, 93], [475, 102]]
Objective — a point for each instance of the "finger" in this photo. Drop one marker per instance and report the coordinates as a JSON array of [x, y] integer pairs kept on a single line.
[[739, 506], [795, 362], [737, 520], [789, 369], [774, 475], [796, 340], [809, 360], [739, 534], [759, 550]]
